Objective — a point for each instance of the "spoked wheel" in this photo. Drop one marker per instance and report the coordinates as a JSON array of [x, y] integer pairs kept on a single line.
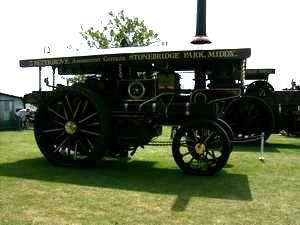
[[69, 128], [249, 116], [259, 88], [201, 149]]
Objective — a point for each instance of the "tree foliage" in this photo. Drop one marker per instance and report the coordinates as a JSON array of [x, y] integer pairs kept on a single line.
[[120, 31]]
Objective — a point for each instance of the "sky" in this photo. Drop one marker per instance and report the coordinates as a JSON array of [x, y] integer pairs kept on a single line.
[[269, 27]]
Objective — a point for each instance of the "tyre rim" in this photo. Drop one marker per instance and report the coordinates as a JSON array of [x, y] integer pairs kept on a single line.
[[200, 149]]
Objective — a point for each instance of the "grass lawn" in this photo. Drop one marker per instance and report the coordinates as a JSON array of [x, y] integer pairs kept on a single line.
[[149, 189]]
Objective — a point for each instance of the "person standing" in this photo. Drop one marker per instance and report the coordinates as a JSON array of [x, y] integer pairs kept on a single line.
[[21, 115]]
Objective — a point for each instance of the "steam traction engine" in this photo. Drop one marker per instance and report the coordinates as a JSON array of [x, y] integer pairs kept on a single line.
[[262, 109], [127, 97]]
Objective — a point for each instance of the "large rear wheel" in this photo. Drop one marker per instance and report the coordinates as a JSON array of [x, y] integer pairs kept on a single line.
[[69, 128]]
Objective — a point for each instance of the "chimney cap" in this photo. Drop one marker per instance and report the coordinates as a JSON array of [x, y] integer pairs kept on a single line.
[[200, 39]]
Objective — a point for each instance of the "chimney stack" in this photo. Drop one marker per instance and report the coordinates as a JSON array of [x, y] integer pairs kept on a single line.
[[200, 37]]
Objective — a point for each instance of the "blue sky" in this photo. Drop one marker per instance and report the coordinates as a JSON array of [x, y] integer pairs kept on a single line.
[[269, 28]]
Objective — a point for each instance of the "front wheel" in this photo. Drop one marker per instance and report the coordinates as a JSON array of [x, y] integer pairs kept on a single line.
[[201, 148]]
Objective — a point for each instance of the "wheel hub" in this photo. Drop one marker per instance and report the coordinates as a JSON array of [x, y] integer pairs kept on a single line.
[[70, 127], [200, 148]]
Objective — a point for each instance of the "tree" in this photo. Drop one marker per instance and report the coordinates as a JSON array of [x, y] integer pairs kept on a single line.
[[120, 31]]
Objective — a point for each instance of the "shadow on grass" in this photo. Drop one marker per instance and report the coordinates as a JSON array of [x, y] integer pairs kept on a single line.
[[283, 145], [268, 147], [254, 147], [140, 176]]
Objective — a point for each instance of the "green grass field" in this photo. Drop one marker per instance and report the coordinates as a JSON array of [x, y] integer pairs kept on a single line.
[[149, 189]]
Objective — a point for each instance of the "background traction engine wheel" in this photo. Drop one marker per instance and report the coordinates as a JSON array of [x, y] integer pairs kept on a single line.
[[249, 116], [201, 149], [68, 129], [259, 88]]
